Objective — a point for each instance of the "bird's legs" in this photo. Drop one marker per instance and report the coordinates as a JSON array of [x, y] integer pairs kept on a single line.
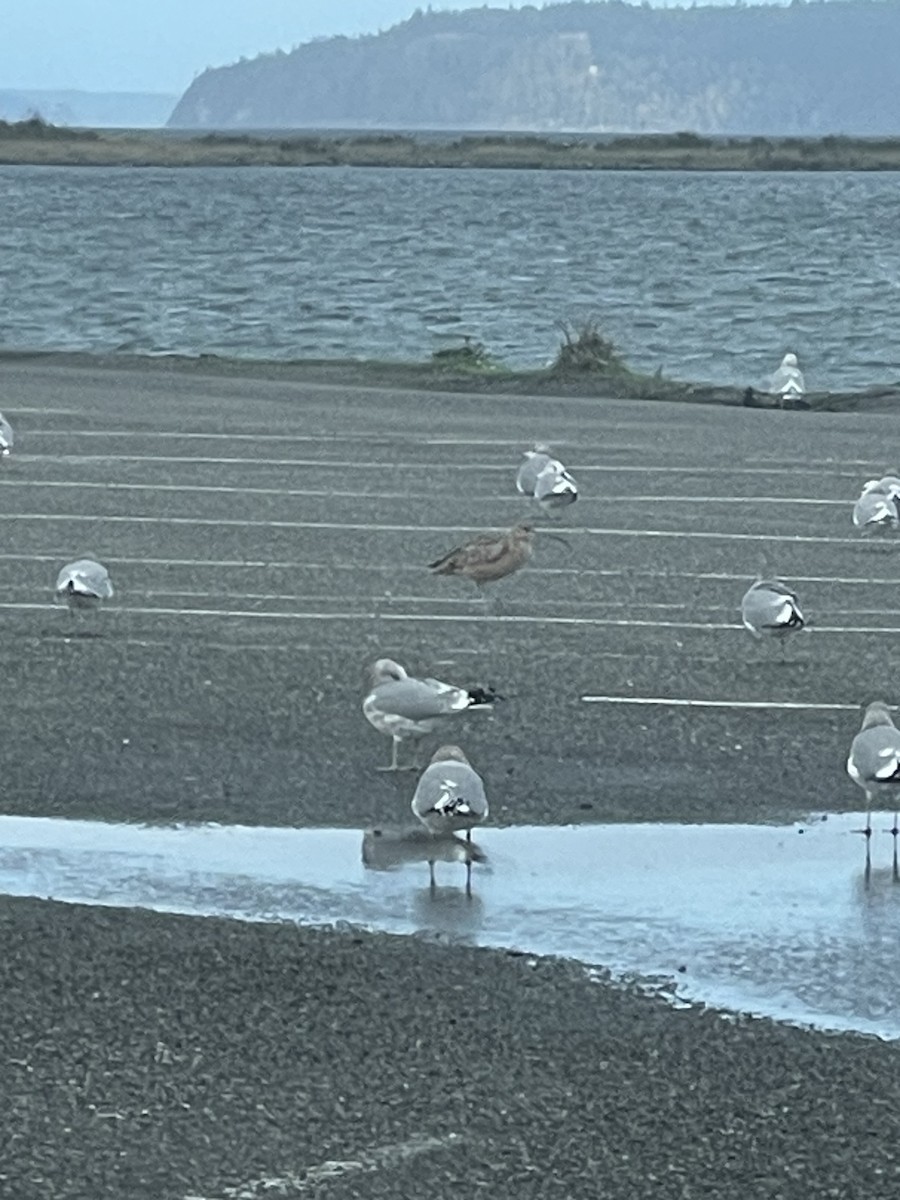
[[487, 601], [431, 873], [393, 765], [469, 877]]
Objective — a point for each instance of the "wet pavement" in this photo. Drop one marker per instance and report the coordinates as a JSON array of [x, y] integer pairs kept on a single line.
[[267, 540], [778, 921]]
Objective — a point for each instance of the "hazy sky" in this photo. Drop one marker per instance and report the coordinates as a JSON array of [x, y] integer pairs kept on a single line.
[[159, 45]]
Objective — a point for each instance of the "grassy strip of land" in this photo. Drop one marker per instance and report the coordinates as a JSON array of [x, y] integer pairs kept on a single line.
[[468, 369], [34, 142]]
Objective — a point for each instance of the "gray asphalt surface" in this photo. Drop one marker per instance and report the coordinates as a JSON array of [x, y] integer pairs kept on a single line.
[[152, 1057], [265, 560]]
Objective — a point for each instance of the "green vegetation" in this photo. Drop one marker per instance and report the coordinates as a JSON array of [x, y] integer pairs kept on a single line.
[[584, 348], [36, 129], [808, 69], [471, 357], [39, 143]]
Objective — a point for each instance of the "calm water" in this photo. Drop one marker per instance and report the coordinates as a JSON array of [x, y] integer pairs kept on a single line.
[[708, 276], [753, 918]]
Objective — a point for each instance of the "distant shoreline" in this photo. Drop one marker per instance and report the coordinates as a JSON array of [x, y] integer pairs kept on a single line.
[[450, 377], [35, 143]]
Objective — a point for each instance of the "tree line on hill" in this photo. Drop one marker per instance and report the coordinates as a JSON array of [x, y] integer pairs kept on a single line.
[[809, 69]]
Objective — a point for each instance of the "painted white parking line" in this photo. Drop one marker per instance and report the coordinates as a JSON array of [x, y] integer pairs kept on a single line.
[[382, 463], [628, 573], [334, 493], [449, 530], [374, 613], [672, 702]]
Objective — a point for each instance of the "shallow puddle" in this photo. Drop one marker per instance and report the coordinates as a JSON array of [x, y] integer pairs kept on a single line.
[[781, 921]]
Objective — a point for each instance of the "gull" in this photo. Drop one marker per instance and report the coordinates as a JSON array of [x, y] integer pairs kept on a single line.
[[770, 609], [890, 484], [6, 437], [488, 557], [84, 584], [555, 488], [787, 381], [450, 797], [877, 509], [535, 461], [874, 761], [546, 480], [385, 848], [401, 706]]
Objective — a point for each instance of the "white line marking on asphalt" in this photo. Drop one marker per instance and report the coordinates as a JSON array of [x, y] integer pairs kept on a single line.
[[311, 1179], [374, 614], [396, 568], [381, 464], [405, 495], [666, 702], [450, 530]]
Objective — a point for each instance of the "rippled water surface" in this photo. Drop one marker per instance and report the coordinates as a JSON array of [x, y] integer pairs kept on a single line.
[[707, 276]]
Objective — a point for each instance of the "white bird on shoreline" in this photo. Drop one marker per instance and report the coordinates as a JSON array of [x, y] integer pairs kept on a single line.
[[401, 706], [787, 382]]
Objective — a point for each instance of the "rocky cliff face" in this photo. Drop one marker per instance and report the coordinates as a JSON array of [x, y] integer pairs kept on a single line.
[[810, 69]]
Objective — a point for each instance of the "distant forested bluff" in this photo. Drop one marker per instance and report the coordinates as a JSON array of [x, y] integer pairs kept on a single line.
[[810, 69]]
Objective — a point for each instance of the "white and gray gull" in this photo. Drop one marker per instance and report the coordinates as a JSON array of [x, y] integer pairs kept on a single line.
[[555, 487], [83, 584], [403, 707], [770, 609], [787, 382], [877, 509], [534, 462], [874, 760], [450, 797], [7, 437], [546, 480]]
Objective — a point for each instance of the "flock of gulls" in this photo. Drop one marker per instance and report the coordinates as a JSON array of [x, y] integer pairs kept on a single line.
[[450, 796]]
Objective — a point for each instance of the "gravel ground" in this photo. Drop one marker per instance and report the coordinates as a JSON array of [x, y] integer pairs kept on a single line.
[[156, 1056], [160, 1057]]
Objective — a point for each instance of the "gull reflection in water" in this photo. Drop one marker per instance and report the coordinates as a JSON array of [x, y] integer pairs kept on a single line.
[[887, 875], [384, 849]]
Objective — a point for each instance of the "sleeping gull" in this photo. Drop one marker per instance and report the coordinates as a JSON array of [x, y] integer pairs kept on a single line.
[[488, 557], [787, 382], [84, 584], [450, 797], [545, 479], [877, 510], [401, 706], [874, 761], [6, 436], [555, 488], [770, 609], [534, 463]]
